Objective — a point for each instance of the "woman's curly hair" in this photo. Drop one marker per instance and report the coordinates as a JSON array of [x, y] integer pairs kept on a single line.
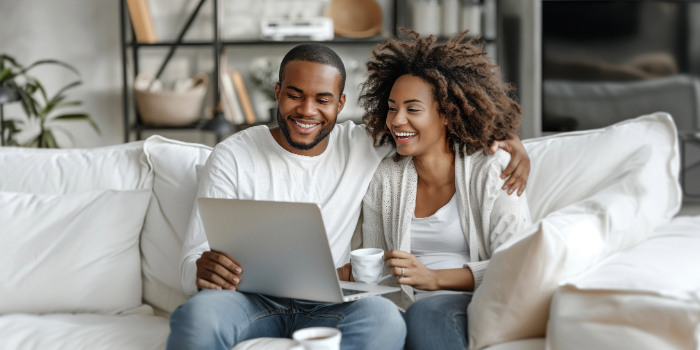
[[479, 107]]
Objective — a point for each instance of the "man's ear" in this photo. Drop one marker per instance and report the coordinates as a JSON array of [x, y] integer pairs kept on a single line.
[[341, 103], [277, 92]]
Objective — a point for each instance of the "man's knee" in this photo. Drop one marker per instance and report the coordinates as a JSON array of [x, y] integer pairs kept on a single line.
[[201, 309], [384, 317]]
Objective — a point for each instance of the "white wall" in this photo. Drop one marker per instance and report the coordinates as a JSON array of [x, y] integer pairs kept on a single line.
[[85, 34]]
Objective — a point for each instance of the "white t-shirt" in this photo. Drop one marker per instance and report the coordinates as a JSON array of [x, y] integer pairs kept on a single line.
[[439, 243], [252, 165]]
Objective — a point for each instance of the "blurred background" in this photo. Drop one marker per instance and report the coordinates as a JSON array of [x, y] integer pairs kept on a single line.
[[577, 64]]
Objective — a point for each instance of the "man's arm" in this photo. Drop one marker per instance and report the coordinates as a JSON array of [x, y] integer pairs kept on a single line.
[[518, 170], [200, 267]]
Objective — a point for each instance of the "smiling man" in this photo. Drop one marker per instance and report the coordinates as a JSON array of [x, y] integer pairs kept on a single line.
[[308, 158]]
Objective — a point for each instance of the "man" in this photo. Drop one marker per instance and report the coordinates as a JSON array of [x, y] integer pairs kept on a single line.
[[306, 159]]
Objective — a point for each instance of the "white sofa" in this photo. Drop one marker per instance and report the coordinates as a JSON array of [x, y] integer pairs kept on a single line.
[[91, 238]]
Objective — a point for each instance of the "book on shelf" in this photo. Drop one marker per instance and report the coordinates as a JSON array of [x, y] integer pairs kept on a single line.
[[142, 21], [243, 97], [229, 103]]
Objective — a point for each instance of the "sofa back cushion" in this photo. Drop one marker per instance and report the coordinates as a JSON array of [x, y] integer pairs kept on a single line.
[[71, 253], [591, 194], [58, 171], [614, 300], [172, 164]]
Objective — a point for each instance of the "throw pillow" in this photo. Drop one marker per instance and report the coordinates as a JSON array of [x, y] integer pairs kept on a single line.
[[71, 253], [594, 193]]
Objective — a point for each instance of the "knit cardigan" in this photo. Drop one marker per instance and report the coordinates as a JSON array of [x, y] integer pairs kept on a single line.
[[488, 215]]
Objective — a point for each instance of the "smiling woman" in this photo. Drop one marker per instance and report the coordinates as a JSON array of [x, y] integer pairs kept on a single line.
[[436, 207]]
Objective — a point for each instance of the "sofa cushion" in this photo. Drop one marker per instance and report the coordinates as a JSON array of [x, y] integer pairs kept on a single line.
[[647, 297], [71, 252], [592, 193], [56, 171], [83, 332], [172, 164]]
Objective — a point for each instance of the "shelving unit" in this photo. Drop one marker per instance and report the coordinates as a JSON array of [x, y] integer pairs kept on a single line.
[[129, 45]]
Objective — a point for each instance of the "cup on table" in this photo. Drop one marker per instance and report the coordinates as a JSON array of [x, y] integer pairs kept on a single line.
[[318, 338], [367, 265]]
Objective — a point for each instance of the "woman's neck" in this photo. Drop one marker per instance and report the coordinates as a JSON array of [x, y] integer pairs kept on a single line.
[[436, 168]]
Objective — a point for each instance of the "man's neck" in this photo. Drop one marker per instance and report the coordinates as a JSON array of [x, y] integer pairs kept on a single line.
[[282, 141]]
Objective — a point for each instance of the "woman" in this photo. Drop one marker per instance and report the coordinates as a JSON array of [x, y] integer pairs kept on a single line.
[[437, 208]]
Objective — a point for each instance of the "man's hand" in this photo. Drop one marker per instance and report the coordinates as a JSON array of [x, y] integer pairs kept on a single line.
[[519, 167], [345, 273], [410, 270], [216, 270]]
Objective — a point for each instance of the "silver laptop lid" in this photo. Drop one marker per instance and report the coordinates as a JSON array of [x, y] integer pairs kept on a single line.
[[281, 246]]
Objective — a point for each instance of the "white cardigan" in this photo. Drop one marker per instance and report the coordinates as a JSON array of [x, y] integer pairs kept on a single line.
[[488, 215]]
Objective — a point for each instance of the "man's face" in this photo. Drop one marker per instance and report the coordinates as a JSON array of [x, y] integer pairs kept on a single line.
[[309, 101]]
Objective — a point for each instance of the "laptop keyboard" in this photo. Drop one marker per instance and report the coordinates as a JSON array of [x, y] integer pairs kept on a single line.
[[347, 292]]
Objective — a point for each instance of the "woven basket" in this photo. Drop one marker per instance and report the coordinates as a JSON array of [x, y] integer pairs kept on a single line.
[[172, 108]]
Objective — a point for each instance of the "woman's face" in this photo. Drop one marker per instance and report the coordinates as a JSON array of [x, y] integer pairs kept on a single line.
[[414, 119]]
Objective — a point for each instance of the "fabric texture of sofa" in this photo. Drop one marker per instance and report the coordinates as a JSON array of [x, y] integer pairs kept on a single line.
[[120, 299]]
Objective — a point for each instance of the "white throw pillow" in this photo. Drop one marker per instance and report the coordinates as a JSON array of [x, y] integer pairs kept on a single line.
[[174, 190], [56, 171], [647, 297], [71, 253], [594, 193]]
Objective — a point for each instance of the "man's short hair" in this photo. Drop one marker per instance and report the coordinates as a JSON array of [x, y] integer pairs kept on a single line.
[[316, 53]]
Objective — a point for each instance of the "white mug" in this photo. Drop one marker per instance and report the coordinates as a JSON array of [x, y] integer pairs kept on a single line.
[[367, 265], [318, 338]]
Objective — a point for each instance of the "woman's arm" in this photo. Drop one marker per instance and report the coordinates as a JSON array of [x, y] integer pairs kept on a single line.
[[410, 271]]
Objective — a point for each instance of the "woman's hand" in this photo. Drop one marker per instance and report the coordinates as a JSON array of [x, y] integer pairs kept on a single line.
[[519, 167], [414, 273], [345, 273]]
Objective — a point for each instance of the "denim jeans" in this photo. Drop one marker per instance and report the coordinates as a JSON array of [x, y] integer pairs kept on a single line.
[[220, 319], [437, 322]]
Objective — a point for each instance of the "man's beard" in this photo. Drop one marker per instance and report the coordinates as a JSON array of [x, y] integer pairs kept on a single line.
[[322, 134]]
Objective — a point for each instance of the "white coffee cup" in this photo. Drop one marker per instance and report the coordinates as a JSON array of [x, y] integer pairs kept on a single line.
[[318, 338], [367, 265]]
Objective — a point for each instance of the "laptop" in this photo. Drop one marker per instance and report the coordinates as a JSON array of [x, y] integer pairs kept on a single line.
[[282, 248]]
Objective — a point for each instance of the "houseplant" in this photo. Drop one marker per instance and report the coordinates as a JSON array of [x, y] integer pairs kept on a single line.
[[264, 73], [40, 111]]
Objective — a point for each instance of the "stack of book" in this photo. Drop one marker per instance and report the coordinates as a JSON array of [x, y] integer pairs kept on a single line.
[[235, 101]]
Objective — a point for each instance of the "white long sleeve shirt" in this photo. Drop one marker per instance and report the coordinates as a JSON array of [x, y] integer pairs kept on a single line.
[[252, 165]]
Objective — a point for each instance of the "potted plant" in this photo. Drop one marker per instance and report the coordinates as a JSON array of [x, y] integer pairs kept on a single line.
[[264, 73], [18, 85]]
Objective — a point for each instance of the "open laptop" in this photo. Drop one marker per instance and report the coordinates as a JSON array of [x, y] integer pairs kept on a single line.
[[282, 248]]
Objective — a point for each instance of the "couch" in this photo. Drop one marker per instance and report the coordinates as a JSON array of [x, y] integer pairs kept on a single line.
[[91, 243]]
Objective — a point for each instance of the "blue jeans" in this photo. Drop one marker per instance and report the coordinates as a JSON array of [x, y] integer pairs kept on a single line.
[[220, 319], [437, 322]]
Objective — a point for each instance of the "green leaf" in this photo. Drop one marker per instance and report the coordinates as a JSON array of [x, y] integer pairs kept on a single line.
[[6, 74], [67, 87], [49, 140], [28, 102], [12, 61], [63, 64], [65, 132], [43, 91], [71, 103], [79, 116]]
